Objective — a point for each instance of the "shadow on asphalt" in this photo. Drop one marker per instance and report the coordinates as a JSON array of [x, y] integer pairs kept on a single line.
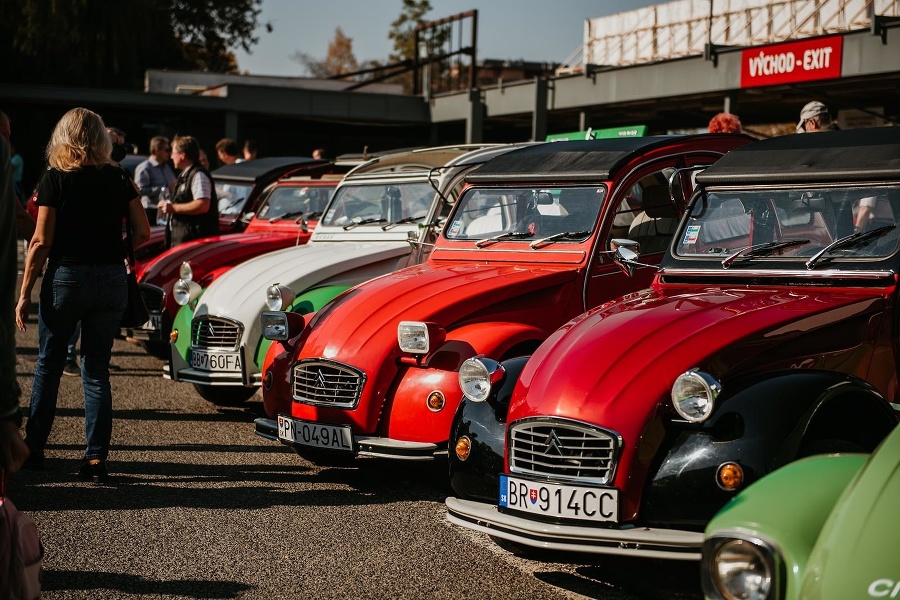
[[54, 580]]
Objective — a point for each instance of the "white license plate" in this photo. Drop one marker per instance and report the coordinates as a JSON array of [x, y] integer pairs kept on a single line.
[[216, 361], [315, 434], [559, 500], [155, 321]]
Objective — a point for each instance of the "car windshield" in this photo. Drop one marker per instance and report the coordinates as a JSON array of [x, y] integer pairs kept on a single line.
[[363, 204], [526, 214], [232, 197], [292, 201], [738, 226]]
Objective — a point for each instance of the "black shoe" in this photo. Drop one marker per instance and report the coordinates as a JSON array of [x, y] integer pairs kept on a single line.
[[72, 369], [95, 472], [35, 461]]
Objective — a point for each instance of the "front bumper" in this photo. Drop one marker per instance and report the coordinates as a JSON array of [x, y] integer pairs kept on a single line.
[[643, 542], [365, 445], [156, 332], [179, 370]]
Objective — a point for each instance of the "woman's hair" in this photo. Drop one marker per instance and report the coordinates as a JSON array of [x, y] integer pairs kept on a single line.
[[79, 139], [189, 145], [725, 123]]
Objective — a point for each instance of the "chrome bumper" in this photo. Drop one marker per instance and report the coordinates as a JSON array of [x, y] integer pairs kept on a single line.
[[645, 542]]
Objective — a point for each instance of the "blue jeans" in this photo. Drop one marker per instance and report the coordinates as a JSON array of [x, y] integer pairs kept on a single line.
[[96, 295]]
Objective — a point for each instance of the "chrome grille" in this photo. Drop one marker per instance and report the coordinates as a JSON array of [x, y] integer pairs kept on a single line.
[[212, 332], [563, 449], [154, 297], [327, 383]]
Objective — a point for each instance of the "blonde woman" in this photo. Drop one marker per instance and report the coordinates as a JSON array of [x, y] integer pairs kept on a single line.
[[82, 200]]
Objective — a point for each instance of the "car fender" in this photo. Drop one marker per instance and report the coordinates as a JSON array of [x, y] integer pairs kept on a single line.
[[785, 511], [762, 423], [484, 423], [496, 339]]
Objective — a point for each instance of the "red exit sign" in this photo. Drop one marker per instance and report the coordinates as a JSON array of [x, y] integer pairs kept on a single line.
[[792, 62]]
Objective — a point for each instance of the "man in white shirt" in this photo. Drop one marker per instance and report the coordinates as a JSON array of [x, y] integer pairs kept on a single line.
[[154, 177]]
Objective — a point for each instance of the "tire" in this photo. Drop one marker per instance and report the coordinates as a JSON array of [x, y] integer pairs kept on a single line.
[[829, 446], [225, 395], [158, 350]]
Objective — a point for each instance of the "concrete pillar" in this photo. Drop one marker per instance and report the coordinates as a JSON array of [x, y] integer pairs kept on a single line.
[[539, 117], [475, 118], [231, 125]]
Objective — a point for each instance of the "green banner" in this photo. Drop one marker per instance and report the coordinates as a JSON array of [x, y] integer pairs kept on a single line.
[[599, 134]]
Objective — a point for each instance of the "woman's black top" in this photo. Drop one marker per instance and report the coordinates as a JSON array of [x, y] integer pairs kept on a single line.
[[90, 205]]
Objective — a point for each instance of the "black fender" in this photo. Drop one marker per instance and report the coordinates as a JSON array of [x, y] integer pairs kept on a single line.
[[762, 422], [484, 423]]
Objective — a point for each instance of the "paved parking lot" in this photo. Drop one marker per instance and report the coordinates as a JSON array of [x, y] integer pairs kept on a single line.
[[201, 507]]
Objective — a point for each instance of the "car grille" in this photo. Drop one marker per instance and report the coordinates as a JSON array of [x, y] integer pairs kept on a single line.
[[562, 449], [212, 332], [327, 383], [154, 297]]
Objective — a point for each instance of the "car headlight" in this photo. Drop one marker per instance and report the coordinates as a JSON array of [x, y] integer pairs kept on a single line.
[[186, 272], [694, 395], [477, 375], [416, 337], [735, 568], [185, 291], [279, 297]]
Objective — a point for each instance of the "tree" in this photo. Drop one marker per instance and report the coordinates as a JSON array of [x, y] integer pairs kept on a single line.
[[111, 44], [339, 60]]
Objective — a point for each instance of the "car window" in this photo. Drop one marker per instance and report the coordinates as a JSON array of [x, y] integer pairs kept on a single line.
[[484, 213], [231, 197], [294, 200], [647, 214], [383, 203], [724, 221]]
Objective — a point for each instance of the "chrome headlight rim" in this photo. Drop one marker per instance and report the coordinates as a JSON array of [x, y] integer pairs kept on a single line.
[[413, 338], [185, 291], [279, 297], [768, 574], [694, 394], [478, 376]]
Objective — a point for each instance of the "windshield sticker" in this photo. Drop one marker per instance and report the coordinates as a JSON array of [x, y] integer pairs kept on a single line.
[[455, 228], [691, 234]]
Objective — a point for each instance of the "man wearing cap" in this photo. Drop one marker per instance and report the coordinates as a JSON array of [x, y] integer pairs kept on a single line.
[[815, 117]]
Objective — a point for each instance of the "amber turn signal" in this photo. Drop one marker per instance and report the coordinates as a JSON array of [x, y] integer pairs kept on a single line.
[[730, 476], [173, 335], [436, 401], [463, 447], [267, 380]]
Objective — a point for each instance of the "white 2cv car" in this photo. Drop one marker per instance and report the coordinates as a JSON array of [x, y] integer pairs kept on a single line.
[[383, 216]]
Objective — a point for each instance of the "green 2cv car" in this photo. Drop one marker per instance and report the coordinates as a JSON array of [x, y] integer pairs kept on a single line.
[[820, 528]]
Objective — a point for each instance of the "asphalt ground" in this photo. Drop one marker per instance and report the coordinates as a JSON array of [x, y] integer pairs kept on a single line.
[[200, 507]]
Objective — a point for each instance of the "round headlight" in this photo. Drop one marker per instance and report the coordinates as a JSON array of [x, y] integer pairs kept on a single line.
[[186, 272], [742, 570], [181, 292], [475, 380], [694, 395], [278, 297]]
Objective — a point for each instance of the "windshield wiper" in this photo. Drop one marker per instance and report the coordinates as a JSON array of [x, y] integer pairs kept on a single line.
[[368, 221], [516, 235], [401, 222], [232, 205], [287, 215], [760, 250], [557, 236], [850, 240]]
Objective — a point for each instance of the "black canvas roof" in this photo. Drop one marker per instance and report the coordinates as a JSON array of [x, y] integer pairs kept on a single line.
[[252, 170], [565, 161], [828, 156]]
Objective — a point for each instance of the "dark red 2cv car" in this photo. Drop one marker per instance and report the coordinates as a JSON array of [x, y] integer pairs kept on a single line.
[[525, 248], [770, 333]]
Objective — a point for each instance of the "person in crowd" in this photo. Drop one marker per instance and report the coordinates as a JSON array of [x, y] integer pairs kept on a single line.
[[24, 221], [18, 167], [318, 153], [251, 150], [815, 117], [82, 200], [227, 150], [193, 208], [119, 149], [204, 159], [155, 177], [13, 450], [725, 123]]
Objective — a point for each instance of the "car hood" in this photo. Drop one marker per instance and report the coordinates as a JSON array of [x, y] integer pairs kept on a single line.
[[239, 294], [362, 325], [619, 361], [209, 253], [857, 547]]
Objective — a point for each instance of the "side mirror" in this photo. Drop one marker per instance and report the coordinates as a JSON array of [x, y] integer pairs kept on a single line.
[[413, 238], [625, 254]]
